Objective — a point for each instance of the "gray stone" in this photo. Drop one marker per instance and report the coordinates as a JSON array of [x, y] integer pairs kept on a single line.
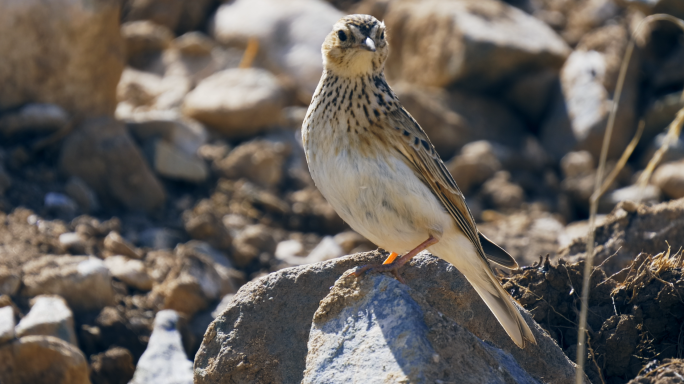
[[69, 53], [6, 324], [49, 316], [173, 163], [34, 118], [578, 117], [61, 203], [377, 330], [42, 359], [130, 271], [102, 154], [164, 360], [575, 164], [144, 38], [476, 163], [650, 194], [84, 282], [252, 242], [262, 335], [481, 43], [237, 102], [160, 238], [82, 194], [260, 161], [290, 34]]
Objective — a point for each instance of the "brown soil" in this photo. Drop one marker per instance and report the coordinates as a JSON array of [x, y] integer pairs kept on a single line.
[[636, 317]]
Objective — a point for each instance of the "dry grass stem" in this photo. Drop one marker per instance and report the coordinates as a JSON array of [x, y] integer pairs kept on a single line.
[[250, 53]]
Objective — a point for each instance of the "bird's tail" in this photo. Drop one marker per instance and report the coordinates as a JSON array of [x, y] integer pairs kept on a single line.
[[500, 303]]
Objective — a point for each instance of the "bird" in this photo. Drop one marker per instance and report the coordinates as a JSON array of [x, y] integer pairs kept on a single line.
[[378, 169]]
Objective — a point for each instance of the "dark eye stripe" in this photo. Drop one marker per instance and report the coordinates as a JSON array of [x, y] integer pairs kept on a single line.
[[382, 35]]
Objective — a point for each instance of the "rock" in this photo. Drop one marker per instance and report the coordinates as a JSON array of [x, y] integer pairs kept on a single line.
[[480, 43], [526, 236], [661, 112], [173, 163], [164, 360], [287, 249], [194, 44], [6, 324], [143, 39], [42, 359], [577, 230], [34, 118], [673, 153], [78, 46], [114, 366], [577, 119], [238, 102], [82, 194], [629, 230], [5, 180], [251, 243], [203, 224], [49, 316], [474, 165], [327, 249], [453, 119], [9, 281], [160, 238], [277, 310], [667, 371], [577, 163], [352, 242], [259, 161], [388, 332], [290, 35], [191, 281], [116, 326], [184, 134], [131, 272], [115, 244], [650, 195], [103, 155], [84, 282], [59, 203], [176, 15], [670, 178], [502, 193]]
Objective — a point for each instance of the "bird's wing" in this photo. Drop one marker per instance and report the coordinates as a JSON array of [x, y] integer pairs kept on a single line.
[[412, 142]]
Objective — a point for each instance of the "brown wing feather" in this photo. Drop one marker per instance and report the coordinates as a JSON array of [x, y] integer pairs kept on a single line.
[[421, 154]]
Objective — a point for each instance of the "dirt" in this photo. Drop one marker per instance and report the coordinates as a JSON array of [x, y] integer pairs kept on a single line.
[[636, 316]]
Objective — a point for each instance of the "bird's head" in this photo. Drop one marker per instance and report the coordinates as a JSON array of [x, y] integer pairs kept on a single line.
[[356, 46]]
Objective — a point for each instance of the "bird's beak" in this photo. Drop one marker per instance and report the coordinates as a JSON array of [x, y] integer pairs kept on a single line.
[[368, 44]]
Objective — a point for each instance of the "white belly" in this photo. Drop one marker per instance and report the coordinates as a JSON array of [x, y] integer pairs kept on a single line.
[[381, 199]]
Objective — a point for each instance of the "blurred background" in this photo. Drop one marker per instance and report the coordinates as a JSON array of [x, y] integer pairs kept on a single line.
[[150, 155]]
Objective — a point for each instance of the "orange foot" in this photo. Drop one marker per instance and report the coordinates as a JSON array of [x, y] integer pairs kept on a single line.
[[390, 258]]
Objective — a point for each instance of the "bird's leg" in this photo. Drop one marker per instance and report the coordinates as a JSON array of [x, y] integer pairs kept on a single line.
[[390, 258], [394, 266]]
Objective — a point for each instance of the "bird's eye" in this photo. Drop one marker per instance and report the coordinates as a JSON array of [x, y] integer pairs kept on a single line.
[[342, 35], [382, 35]]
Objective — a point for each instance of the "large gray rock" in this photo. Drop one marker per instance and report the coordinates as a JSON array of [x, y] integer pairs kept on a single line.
[[49, 316], [262, 336], [69, 53], [84, 282], [479, 43], [238, 102], [130, 271], [290, 34], [102, 153], [164, 360], [42, 359], [378, 330]]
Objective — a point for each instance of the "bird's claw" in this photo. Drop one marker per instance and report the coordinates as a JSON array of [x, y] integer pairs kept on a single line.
[[394, 268]]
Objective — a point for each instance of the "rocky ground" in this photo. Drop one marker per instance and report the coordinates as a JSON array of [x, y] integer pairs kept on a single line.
[[150, 167]]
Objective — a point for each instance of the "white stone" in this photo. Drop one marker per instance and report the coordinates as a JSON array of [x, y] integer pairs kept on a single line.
[[164, 361], [327, 249], [71, 239], [6, 324], [288, 248], [49, 316], [290, 34], [132, 272]]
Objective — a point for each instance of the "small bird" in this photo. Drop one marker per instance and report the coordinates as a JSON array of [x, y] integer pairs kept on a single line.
[[377, 168]]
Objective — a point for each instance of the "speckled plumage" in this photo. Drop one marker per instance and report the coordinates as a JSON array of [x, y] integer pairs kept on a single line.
[[377, 168]]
